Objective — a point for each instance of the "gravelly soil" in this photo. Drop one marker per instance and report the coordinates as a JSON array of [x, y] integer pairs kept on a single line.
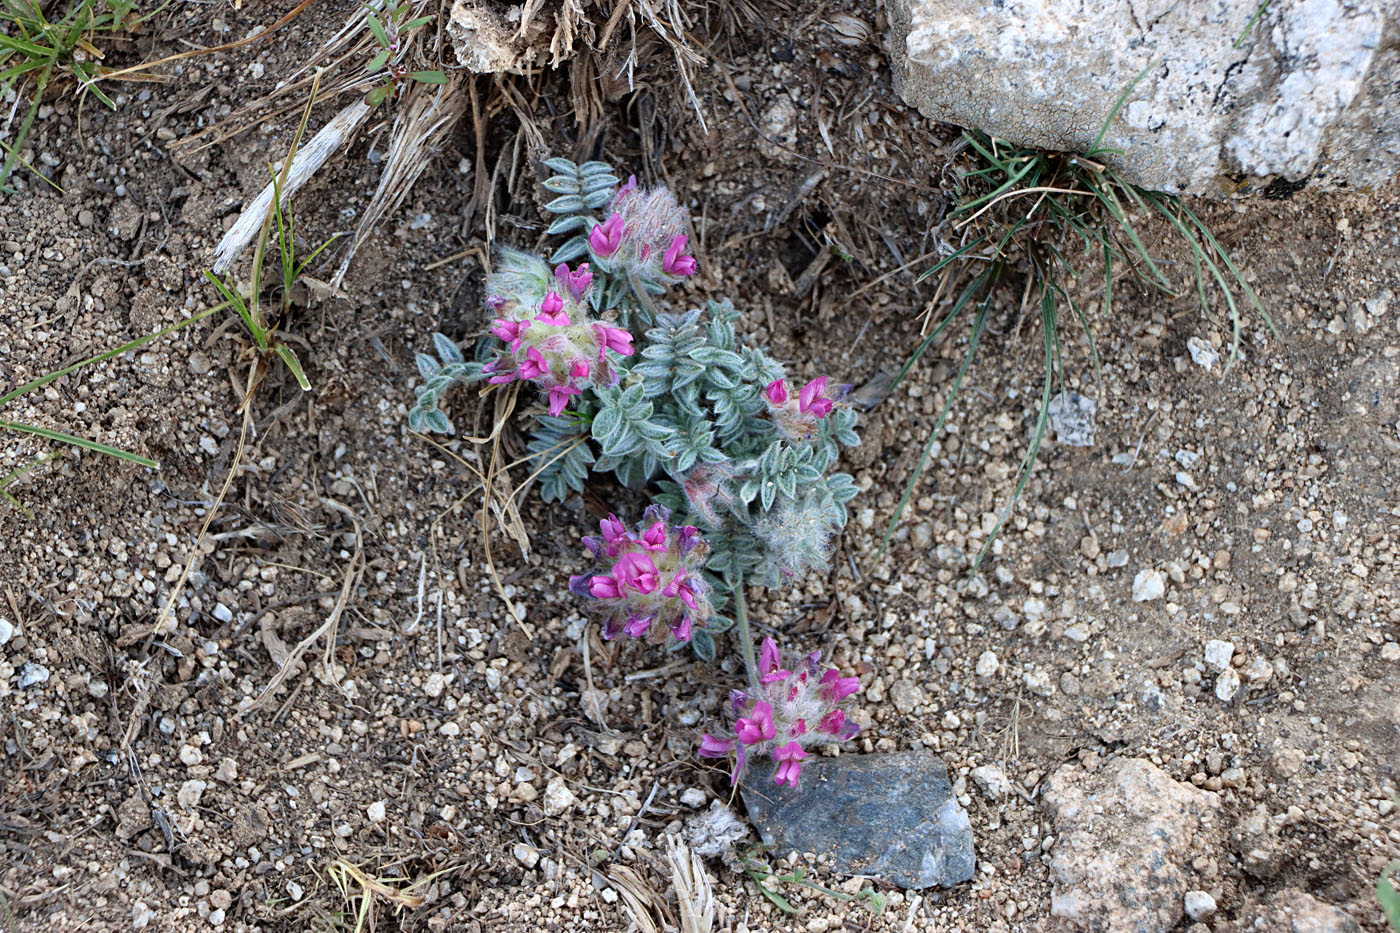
[[524, 771]]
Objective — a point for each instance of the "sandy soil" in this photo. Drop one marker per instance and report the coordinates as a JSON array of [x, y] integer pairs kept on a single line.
[[523, 771]]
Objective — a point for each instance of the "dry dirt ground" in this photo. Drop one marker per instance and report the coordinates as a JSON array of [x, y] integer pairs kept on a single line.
[[522, 772]]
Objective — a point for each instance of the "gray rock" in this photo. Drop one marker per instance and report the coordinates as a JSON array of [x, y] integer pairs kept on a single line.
[[1307, 96], [32, 674], [892, 817]]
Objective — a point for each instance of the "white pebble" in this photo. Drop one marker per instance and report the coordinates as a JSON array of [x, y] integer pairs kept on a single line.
[[992, 780], [375, 811], [435, 685], [1227, 685], [223, 613], [7, 631], [32, 674], [190, 755], [691, 797], [558, 797], [1118, 558], [1202, 353], [526, 855], [1218, 653], [189, 793], [1199, 905], [344, 830], [987, 664], [1149, 585]]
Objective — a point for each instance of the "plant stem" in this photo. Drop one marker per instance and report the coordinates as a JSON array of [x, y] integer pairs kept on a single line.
[[741, 620]]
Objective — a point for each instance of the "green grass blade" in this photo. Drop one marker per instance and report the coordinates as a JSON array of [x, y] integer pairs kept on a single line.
[[1230, 264], [107, 355], [320, 249], [289, 357], [232, 297], [1109, 198], [946, 260], [1050, 326], [973, 288], [1248, 28], [79, 442], [1205, 259], [17, 143], [979, 325], [1097, 147]]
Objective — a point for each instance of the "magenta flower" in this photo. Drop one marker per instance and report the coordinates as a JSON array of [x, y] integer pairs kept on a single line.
[[676, 264], [789, 759], [613, 338], [533, 366], [509, 331], [777, 720], [559, 398], [579, 370], [605, 238], [797, 418], [653, 585], [576, 283]]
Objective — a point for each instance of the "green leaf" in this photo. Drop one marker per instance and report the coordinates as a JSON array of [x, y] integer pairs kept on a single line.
[[378, 95], [82, 442], [427, 366], [1388, 896], [415, 23], [565, 204], [380, 59], [447, 350], [428, 77], [703, 644], [437, 421], [289, 357], [376, 27]]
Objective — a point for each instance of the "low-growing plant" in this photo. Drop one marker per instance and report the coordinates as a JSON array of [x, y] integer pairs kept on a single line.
[[737, 459], [1020, 212], [766, 878], [391, 28], [36, 51], [1388, 895]]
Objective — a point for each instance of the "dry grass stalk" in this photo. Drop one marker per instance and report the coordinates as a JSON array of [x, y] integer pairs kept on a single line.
[[695, 896]]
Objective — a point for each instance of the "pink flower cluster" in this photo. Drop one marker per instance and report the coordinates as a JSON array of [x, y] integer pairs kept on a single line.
[[643, 235], [654, 585], [797, 417], [790, 712], [556, 344]]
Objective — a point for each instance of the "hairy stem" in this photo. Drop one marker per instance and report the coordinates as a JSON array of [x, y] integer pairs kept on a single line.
[[741, 620]]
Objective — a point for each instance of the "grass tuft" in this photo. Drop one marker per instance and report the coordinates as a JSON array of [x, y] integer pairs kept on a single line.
[[1020, 212]]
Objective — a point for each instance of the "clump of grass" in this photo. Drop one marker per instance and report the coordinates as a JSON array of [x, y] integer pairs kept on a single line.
[[36, 52], [1032, 213]]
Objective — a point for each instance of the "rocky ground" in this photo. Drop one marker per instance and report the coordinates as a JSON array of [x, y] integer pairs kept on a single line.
[[1182, 653]]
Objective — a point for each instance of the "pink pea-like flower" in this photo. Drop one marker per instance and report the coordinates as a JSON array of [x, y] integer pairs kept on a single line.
[[533, 366], [654, 585], [797, 418], [577, 282], [559, 398], [812, 399], [613, 338], [774, 721], [605, 238], [674, 262], [776, 392]]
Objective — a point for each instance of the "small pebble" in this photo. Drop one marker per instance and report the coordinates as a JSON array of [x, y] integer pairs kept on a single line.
[[1118, 558], [1227, 685], [223, 613], [189, 793], [992, 781], [1390, 651], [435, 685], [691, 797], [1218, 653], [190, 755], [375, 811], [32, 674], [1202, 353], [1199, 905], [986, 664], [526, 855], [1149, 585], [7, 631]]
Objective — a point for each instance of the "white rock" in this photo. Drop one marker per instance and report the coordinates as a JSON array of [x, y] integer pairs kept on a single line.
[[1038, 682], [558, 797], [1308, 95], [223, 613], [1259, 672], [992, 781], [375, 812], [1202, 353], [986, 664], [1072, 418], [1199, 905], [344, 830], [526, 855], [436, 683], [189, 793], [1149, 585], [141, 915], [227, 770], [7, 631], [1227, 685], [190, 755], [1118, 558], [33, 674], [216, 917], [692, 797], [1218, 653], [295, 890]]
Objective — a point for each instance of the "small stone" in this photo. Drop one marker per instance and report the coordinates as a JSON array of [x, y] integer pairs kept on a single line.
[[375, 812], [1199, 905], [1038, 682], [1118, 558], [227, 771], [344, 830], [141, 915], [1390, 651], [906, 696], [189, 793], [691, 797], [223, 613], [190, 756], [295, 890], [1072, 418], [32, 674], [558, 797], [7, 631], [992, 781], [888, 816], [435, 685], [97, 689], [1149, 585], [1227, 685], [526, 855], [216, 917], [1232, 777], [1077, 631], [221, 899], [1202, 353], [1259, 672], [986, 664], [1218, 653]]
